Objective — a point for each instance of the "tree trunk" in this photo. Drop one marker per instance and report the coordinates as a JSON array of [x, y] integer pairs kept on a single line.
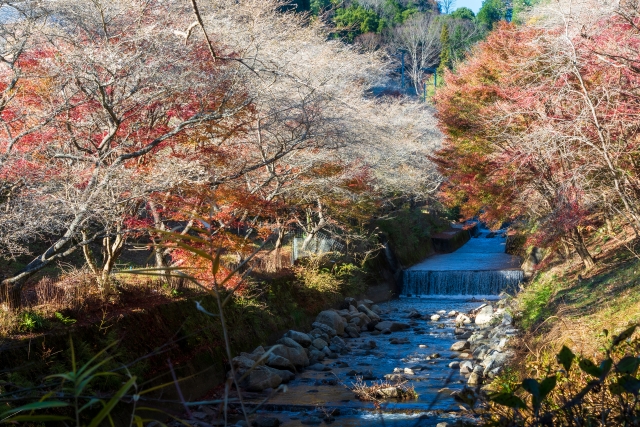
[[111, 251], [578, 244], [158, 250], [276, 262]]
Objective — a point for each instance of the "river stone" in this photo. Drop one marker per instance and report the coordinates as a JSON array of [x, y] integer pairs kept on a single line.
[[324, 328], [364, 309], [352, 332], [279, 362], [260, 378], [266, 422], [338, 343], [395, 377], [311, 421], [414, 314], [466, 367], [333, 320], [283, 373], [435, 317], [463, 319], [392, 326], [494, 372], [454, 365], [452, 313], [319, 367], [388, 392], [376, 309], [319, 343], [299, 337], [317, 333], [481, 351], [242, 363], [507, 319], [460, 345], [349, 302], [408, 371], [353, 310], [474, 379], [442, 424], [297, 356], [485, 315], [315, 356], [289, 343], [343, 313]]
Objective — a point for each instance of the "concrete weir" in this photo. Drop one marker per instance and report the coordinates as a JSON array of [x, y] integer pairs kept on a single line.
[[480, 267]]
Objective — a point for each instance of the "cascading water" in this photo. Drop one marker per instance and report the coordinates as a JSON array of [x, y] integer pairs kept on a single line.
[[480, 267]]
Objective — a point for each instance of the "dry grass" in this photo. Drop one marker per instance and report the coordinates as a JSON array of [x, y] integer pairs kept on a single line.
[[381, 390], [567, 305]]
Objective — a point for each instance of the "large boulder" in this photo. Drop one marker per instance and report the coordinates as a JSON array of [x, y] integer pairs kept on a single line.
[[485, 315], [260, 378], [333, 320], [392, 326], [242, 363], [289, 343], [324, 328], [297, 356], [299, 337], [279, 362]]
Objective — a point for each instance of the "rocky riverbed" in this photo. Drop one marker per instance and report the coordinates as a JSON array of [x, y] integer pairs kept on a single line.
[[438, 347]]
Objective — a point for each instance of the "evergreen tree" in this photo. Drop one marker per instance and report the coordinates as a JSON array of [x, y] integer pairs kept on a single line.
[[445, 52], [492, 11]]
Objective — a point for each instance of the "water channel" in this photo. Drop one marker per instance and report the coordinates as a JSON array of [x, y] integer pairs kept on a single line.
[[444, 283]]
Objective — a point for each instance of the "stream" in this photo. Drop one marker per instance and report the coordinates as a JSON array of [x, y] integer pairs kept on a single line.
[[459, 282], [313, 393]]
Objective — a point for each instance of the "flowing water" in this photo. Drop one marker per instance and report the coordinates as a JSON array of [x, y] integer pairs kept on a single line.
[[450, 282], [480, 267], [316, 392]]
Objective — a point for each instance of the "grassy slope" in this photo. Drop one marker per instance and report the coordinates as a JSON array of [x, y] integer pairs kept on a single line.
[[564, 305]]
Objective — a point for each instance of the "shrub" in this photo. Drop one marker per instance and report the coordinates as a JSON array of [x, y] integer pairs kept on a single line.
[[576, 391], [31, 321]]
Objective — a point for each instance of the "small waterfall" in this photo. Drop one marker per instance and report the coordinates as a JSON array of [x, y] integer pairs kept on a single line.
[[462, 282], [479, 267]]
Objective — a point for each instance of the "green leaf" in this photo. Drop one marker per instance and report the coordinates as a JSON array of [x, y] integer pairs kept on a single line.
[[590, 368], [565, 358], [95, 422], [547, 385], [616, 388], [532, 387], [605, 366], [630, 384], [509, 400], [34, 406], [628, 365], [624, 335], [35, 418]]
